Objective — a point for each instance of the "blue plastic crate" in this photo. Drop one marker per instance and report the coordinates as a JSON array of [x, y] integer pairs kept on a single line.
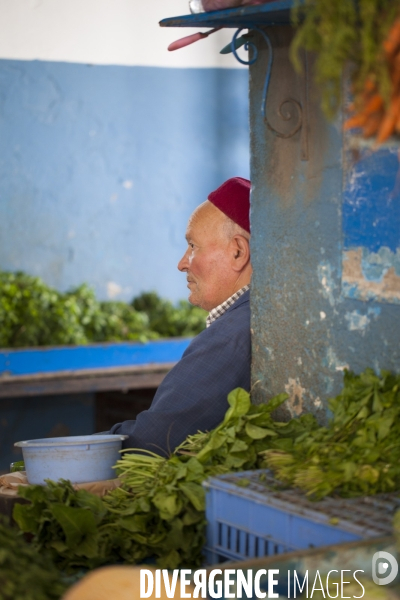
[[262, 520]]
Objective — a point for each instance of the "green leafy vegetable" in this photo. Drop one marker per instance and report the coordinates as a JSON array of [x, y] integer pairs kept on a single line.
[[341, 32], [359, 452], [168, 320], [33, 314], [25, 574], [159, 510]]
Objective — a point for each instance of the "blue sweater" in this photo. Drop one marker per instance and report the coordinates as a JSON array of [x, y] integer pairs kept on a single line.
[[193, 395]]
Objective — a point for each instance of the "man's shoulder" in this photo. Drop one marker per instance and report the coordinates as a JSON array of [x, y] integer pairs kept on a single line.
[[233, 324], [243, 303], [237, 315]]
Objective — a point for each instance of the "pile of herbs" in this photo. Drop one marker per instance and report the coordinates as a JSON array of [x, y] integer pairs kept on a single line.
[[358, 453], [25, 574], [159, 510], [33, 314], [341, 32], [168, 320]]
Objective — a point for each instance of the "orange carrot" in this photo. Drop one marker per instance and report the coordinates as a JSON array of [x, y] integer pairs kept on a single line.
[[357, 120], [395, 71], [388, 124], [374, 104], [392, 42], [372, 124], [369, 86]]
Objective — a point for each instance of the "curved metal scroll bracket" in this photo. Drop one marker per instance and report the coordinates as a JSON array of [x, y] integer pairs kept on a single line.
[[286, 115], [285, 111]]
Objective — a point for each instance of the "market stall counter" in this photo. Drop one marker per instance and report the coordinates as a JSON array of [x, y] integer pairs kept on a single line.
[[92, 368], [77, 390]]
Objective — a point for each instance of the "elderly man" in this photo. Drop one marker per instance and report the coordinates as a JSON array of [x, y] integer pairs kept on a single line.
[[193, 396]]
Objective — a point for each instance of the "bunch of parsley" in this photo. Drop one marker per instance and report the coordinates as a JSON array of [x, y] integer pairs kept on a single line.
[[34, 314], [159, 511], [358, 453]]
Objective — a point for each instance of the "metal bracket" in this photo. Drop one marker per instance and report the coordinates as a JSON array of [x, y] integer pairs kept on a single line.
[[285, 110]]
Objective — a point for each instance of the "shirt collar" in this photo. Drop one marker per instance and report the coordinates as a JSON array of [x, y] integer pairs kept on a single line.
[[218, 311]]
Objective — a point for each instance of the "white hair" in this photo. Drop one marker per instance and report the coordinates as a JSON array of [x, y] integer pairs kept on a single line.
[[231, 229]]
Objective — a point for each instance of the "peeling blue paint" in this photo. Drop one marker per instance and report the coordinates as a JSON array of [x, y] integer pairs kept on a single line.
[[329, 385], [376, 264], [312, 217], [371, 226], [358, 321], [371, 201], [325, 276], [371, 275], [333, 362]]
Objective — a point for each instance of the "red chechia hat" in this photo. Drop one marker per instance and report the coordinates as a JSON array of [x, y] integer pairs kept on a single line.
[[233, 199]]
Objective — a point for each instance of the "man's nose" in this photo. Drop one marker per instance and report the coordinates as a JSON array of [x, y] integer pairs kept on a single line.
[[183, 264]]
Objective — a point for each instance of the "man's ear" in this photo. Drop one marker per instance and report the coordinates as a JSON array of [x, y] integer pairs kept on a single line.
[[240, 252]]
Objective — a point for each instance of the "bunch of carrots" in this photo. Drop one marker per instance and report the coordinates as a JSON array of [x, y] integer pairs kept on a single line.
[[374, 115]]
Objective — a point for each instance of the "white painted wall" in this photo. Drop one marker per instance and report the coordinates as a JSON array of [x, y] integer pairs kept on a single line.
[[108, 32]]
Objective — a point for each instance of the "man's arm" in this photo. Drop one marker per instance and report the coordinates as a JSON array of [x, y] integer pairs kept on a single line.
[[193, 396]]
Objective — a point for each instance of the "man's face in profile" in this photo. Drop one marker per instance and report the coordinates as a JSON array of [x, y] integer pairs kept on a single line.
[[206, 260]]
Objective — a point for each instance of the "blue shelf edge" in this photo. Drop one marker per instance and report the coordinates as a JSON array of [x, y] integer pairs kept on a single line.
[[30, 361], [273, 13]]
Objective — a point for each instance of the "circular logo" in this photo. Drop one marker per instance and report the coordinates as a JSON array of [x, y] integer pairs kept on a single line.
[[384, 568]]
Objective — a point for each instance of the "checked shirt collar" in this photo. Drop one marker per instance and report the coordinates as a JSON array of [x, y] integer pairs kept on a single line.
[[218, 311]]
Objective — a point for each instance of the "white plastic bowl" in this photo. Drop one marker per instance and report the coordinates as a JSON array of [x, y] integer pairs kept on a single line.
[[81, 458]]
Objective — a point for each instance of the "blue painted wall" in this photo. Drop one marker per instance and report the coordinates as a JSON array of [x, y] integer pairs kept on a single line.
[[371, 202], [371, 223], [101, 166]]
